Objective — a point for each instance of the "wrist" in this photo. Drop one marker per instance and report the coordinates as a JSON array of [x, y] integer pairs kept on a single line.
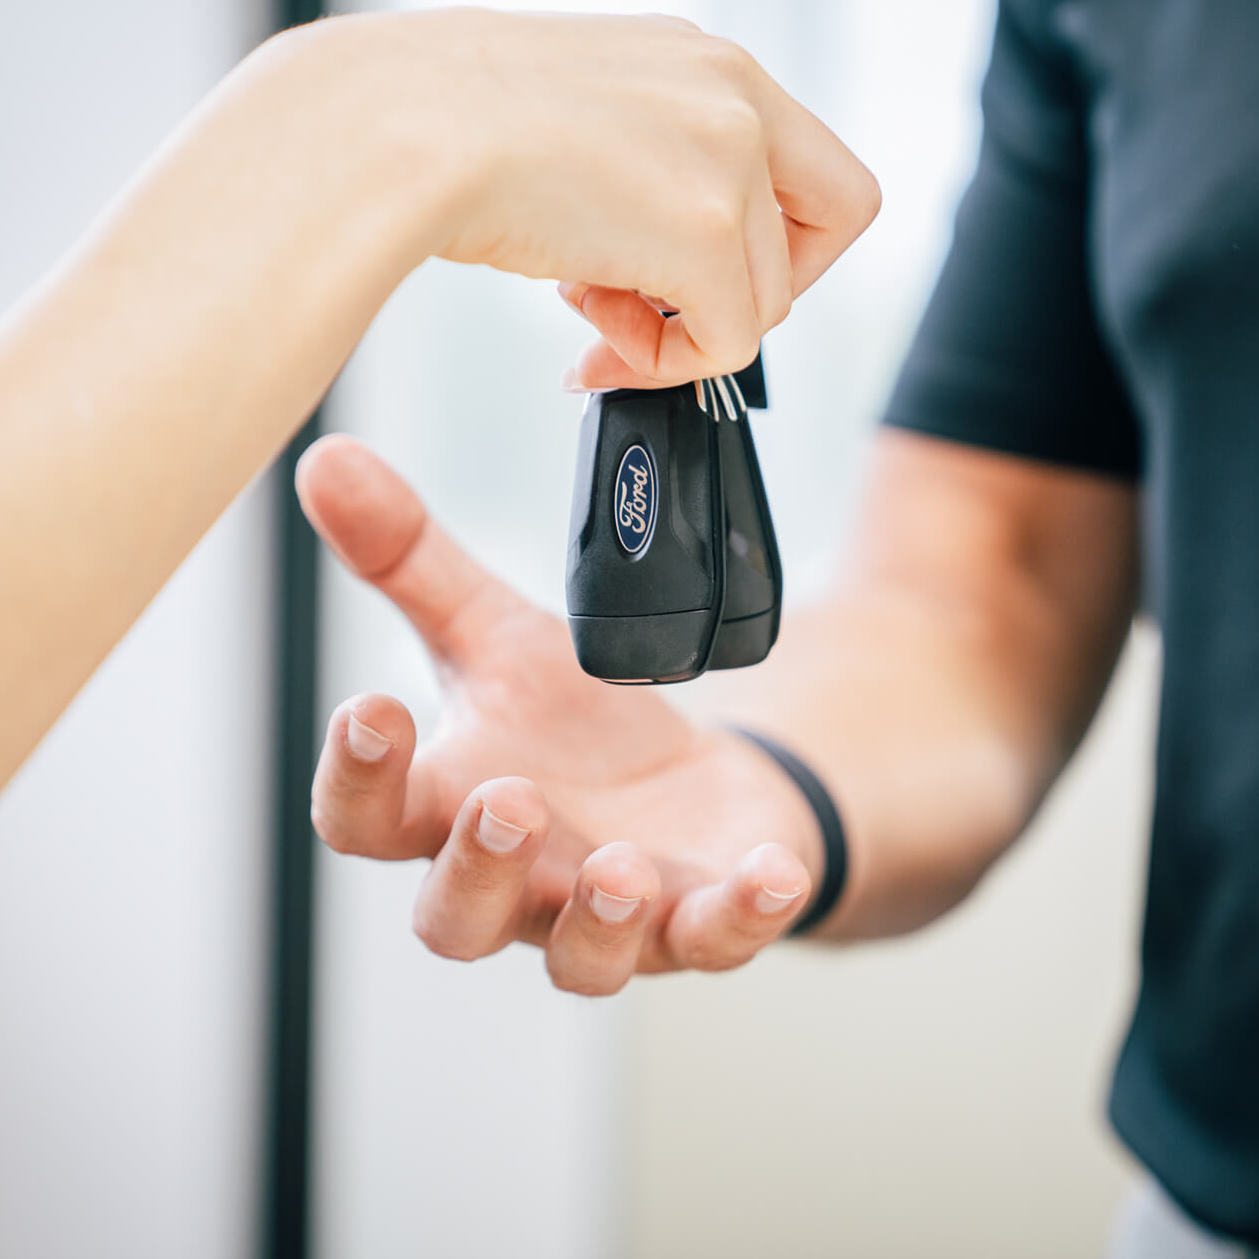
[[795, 825], [365, 98], [833, 880]]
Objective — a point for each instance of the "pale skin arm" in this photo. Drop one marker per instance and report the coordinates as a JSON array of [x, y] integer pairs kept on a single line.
[[181, 343], [938, 691]]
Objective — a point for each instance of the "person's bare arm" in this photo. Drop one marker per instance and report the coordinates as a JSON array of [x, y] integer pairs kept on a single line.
[[174, 351], [943, 685], [938, 691]]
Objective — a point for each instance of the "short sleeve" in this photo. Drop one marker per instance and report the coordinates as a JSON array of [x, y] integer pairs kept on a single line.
[[1009, 354]]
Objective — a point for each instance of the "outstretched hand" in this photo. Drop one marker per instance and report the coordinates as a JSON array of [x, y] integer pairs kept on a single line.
[[593, 821]]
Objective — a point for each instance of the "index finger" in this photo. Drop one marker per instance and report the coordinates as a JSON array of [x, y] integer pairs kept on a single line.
[[827, 195]]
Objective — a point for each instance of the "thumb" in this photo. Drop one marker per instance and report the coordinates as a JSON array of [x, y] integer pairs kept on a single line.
[[382, 533]]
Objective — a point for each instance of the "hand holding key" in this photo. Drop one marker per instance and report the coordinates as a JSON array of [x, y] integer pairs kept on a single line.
[[593, 821], [629, 156]]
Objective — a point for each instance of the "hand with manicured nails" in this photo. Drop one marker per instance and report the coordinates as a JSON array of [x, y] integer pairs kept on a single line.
[[593, 821]]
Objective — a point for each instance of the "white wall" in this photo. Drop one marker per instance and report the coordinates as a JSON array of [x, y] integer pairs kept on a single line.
[[133, 843]]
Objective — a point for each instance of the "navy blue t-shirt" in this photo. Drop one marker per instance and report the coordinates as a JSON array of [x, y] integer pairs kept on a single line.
[[1100, 309]]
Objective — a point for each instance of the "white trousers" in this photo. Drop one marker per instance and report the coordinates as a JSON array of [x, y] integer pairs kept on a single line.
[[1151, 1226]]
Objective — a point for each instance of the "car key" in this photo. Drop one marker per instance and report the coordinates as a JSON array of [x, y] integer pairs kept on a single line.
[[647, 541], [714, 600], [753, 602]]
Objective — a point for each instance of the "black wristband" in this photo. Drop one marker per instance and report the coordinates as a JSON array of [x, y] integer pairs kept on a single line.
[[835, 848]]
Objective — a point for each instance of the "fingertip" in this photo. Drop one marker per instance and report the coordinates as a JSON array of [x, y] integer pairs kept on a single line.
[[725, 924], [622, 871], [573, 293], [470, 902], [361, 780], [516, 803], [358, 504], [336, 461], [638, 344], [371, 726], [311, 463], [772, 880], [776, 866], [596, 941], [599, 368]]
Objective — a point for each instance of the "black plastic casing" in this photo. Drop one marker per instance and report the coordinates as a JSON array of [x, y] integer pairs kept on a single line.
[[753, 603], [647, 609]]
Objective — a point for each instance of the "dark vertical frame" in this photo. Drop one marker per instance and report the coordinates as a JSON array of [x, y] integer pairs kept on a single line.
[[286, 1155]]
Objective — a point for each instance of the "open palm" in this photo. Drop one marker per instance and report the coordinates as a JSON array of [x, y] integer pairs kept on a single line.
[[594, 821]]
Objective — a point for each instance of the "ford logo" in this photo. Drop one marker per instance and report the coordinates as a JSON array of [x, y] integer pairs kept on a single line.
[[634, 500]]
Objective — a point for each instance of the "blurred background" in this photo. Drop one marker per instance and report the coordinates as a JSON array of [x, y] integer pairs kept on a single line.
[[939, 1095]]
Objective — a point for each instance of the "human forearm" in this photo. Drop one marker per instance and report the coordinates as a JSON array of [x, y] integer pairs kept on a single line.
[[933, 768], [146, 380], [943, 684]]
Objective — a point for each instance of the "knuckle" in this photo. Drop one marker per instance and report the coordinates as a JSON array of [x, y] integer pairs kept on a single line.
[[735, 353], [735, 127], [299, 42], [283, 46], [672, 20], [730, 59], [870, 197], [748, 349], [718, 218], [777, 309]]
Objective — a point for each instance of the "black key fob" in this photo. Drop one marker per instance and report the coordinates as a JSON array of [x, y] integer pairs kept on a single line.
[[647, 543], [753, 603]]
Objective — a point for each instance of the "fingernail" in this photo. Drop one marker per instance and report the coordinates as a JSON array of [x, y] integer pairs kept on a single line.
[[365, 744], [611, 908], [768, 902], [497, 835]]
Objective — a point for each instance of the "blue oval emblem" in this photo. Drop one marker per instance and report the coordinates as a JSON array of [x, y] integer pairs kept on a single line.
[[634, 500]]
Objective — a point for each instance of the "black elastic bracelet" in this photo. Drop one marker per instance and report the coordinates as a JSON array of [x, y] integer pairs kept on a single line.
[[835, 869]]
